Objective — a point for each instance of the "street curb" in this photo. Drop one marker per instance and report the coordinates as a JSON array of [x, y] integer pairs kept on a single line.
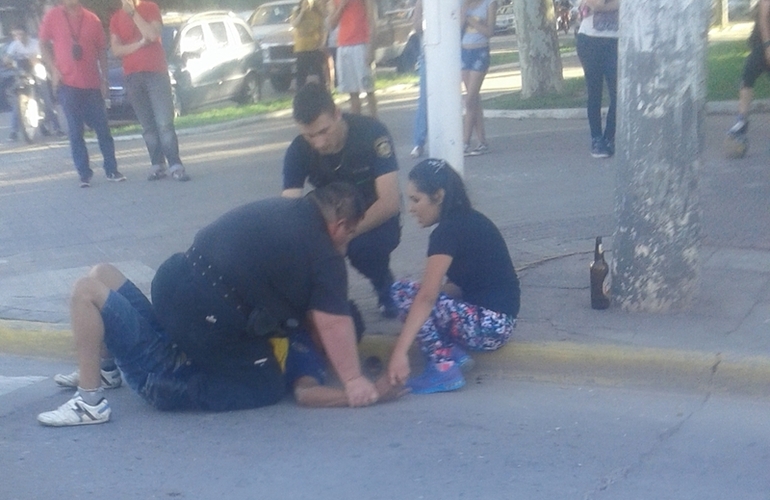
[[556, 362], [612, 365]]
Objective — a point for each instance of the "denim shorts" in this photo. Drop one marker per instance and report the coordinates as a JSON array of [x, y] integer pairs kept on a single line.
[[134, 336], [477, 59]]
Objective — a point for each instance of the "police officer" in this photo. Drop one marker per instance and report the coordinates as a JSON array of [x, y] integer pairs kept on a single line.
[[335, 146]]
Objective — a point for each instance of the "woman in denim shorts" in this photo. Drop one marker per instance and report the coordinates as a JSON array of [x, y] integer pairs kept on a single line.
[[478, 22]]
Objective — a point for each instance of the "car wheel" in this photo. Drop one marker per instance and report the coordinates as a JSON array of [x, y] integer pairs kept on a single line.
[[251, 92], [281, 83]]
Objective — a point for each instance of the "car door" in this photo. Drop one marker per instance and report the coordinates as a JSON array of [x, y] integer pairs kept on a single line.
[[224, 61], [193, 74]]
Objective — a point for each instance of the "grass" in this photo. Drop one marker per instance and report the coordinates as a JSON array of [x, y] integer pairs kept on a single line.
[[725, 64]]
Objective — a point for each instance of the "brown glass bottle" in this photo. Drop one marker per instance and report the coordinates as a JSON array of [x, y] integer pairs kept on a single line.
[[599, 271]]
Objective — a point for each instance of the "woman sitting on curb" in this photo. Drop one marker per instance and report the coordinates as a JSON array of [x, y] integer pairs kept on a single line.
[[475, 307]]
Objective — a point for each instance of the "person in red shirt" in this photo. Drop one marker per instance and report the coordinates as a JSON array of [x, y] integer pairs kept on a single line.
[[73, 46], [355, 51], [135, 31]]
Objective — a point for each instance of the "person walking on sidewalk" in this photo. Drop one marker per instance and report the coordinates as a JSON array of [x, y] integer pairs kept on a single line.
[[355, 51], [478, 24], [74, 48], [135, 31], [757, 62], [597, 49], [420, 131], [309, 22], [333, 146], [259, 271], [469, 295]]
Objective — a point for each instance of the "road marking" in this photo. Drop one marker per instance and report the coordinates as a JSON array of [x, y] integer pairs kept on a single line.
[[10, 384]]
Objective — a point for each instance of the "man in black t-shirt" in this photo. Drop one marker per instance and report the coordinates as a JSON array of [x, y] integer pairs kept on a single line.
[[259, 272], [333, 146]]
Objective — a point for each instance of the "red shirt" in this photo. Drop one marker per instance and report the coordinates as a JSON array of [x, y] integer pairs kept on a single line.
[[354, 24], [63, 31], [151, 56]]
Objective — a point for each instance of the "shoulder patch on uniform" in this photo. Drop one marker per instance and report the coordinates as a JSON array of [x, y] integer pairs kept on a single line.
[[383, 147]]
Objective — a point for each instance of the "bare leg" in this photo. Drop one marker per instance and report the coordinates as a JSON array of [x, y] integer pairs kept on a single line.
[[88, 298], [474, 114], [355, 103], [745, 96], [371, 101]]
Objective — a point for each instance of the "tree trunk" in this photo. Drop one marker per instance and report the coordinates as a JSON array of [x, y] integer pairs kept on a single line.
[[661, 107], [541, 69]]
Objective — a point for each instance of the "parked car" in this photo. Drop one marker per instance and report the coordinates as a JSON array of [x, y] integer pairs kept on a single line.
[[505, 22], [211, 56], [396, 44]]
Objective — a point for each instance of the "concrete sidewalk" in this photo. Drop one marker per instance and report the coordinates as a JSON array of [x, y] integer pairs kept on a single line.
[[540, 186]]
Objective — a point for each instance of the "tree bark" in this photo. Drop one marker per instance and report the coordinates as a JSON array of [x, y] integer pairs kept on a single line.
[[661, 107], [541, 69]]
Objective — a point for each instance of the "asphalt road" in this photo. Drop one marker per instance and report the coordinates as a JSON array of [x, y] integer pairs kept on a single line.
[[496, 438]]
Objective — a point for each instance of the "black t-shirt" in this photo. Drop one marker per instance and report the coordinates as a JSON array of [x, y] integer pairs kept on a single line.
[[367, 154], [481, 265], [278, 254]]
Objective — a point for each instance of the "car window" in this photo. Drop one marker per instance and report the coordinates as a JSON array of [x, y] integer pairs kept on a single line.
[[219, 34], [272, 14], [192, 40], [243, 34]]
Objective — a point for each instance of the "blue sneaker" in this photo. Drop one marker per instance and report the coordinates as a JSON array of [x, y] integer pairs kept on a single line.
[[433, 380], [599, 148], [462, 359]]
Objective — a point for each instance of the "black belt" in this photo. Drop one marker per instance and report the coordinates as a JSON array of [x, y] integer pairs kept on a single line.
[[209, 273]]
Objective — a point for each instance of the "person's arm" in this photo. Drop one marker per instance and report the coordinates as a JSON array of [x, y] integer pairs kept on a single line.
[[486, 27], [424, 301], [338, 339], [371, 18], [104, 71], [385, 207], [120, 49], [46, 52], [764, 26], [150, 30], [336, 13], [308, 392]]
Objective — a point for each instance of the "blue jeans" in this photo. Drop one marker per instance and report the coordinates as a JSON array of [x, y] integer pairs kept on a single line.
[[599, 57], [86, 107], [421, 115], [150, 95]]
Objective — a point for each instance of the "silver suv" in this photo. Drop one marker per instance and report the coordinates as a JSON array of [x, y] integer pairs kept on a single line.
[[396, 43]]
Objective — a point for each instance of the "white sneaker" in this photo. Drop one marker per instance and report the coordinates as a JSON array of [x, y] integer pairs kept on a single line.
[[111, 379], [76, 412], [416, 152]]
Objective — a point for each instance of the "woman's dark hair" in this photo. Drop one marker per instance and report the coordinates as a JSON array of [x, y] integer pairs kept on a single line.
[[433, 174]]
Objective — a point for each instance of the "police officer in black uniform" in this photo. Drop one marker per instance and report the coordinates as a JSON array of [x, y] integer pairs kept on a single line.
[[333, 146]]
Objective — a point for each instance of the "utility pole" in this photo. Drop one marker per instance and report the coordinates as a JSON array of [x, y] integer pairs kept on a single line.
[[661, 108], [442, 60]]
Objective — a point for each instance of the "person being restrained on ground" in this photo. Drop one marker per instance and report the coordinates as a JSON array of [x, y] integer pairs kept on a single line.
[[256, 272]]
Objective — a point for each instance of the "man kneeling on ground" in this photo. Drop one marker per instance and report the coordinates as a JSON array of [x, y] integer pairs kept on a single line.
[[207, 341]]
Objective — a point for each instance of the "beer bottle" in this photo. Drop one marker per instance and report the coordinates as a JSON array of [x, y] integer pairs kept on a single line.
[[599, 271]]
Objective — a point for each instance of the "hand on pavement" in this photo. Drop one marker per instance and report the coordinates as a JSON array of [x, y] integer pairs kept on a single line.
[[398, 369], [360, 392]]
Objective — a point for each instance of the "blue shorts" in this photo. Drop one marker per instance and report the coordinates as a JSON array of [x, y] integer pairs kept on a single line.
[[134, 336], [303, 359], [476, 59]]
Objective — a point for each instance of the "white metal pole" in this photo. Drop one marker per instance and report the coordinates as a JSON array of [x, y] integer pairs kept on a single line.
[[442, 60]]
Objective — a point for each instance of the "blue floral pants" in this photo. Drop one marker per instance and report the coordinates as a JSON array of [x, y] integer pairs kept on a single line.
[[454, 323]]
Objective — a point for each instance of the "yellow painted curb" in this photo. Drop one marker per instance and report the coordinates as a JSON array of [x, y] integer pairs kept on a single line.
[[27, 338]]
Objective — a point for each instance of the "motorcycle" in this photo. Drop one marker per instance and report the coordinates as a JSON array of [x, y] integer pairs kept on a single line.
[[24, 94], [563, 20]]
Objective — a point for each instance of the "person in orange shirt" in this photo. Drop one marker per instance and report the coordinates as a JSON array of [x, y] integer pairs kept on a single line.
[[355, 51]]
